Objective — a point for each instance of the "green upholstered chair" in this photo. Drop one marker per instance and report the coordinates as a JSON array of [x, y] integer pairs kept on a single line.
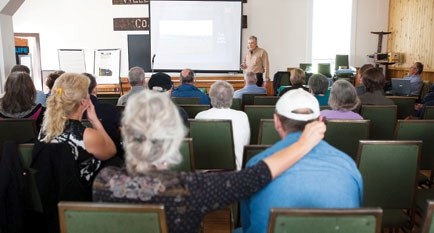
[[428, 226], [346, 134], [307, 67], [249, 99], [419, 130], [255, 113], [383, 120], [193, 109], [186, 100], [342, 60], [362, 220], [18, 130], [324, 69], [113, 100], [389, 170], [252, 150], [79, 217], [236, 104], [405, 105], [213, 144], [186, 150], [428, 113], [267, 133], [265, 100]]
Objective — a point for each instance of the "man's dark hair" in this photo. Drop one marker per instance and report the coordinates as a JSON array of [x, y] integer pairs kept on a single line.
[[20, 68], [373, 79], [92, 83], [419, 67], [290, 125]]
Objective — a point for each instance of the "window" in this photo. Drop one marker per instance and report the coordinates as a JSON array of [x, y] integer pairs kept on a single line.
[[331, 30]]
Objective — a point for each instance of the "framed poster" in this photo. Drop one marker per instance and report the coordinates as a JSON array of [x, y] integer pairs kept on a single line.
[[72, 60], [107, 64]]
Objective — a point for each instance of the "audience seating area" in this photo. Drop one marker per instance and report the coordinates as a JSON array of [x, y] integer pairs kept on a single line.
[[395, 157]]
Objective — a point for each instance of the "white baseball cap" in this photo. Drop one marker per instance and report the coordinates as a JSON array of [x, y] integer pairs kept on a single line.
[[298, 99]]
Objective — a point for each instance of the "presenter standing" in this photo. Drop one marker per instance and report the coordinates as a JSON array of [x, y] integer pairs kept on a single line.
[[256, 61]]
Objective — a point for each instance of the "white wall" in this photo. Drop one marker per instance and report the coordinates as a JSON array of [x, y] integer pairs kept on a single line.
[[283, 28]]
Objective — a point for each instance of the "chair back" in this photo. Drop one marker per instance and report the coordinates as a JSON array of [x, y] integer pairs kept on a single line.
[[213, 144], [249, 99], [113, 100], [78, 217], [186, 100], [389, 170], [383, 120], [428, 113], [419, 130], [236, 104], [193, 109], [32, 200], [341, 60], [405, 105], [428, 226], [338, 135], [324, 69], [362, 220], [187, 164], [267, 133], [252, 150], [255, 113], [19, 130], [307, 67], [265, 100]]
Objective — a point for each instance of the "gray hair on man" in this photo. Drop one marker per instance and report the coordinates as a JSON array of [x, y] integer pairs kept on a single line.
[[343, 96], [221, 94], [318, 84], [136, 75], [250, 77]]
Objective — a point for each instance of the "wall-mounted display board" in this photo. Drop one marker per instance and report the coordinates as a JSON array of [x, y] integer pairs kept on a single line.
[[72, 60], [107, 66]]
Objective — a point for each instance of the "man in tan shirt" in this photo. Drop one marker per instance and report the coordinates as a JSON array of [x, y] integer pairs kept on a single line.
[[256, 61]]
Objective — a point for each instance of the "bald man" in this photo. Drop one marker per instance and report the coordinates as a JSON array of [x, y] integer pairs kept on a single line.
[[188, 89]]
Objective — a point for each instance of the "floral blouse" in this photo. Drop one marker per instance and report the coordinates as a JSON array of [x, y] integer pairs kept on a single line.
[[186, 196]]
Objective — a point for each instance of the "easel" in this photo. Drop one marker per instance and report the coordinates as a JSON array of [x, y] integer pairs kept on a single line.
[[379, 45]]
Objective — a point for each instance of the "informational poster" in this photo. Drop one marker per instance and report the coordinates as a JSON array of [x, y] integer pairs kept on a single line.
[[72, 60], [107, 66]]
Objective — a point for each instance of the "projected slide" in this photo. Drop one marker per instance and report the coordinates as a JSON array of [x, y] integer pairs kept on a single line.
[[200, 35]]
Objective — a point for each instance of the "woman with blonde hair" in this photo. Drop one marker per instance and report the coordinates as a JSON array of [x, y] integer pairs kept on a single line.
[[152, 133], [67, 155]]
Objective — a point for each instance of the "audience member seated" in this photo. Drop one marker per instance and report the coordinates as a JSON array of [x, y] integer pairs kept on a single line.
[[136, 78], [107, 113], [318, 86], [343, 100], [152, 134], [361, 88], [373, 80], [221, 93], [414, 76], [428, 100], [67, 155], [188, 89], [162, 82], [40, 96], [325, 178], [250, 86], [18, 100], [51, 78], [298, 80]]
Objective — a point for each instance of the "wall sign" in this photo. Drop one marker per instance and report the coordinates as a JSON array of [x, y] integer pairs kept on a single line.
[[131, 24], [129, 2]]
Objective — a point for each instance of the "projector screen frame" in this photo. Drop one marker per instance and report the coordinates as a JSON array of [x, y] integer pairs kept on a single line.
[[155, 56]]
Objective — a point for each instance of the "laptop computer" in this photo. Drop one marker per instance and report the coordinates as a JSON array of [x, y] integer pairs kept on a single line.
[[401, 87]]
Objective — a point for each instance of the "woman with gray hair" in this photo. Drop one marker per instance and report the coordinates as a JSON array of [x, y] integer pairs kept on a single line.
[[343, 99], [221, 93], [152, 133]]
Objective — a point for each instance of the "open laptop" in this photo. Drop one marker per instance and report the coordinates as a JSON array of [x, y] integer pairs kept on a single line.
[[401, 87]]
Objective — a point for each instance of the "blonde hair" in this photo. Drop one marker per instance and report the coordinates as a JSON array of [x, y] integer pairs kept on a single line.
[[152, 132], [68, 90]]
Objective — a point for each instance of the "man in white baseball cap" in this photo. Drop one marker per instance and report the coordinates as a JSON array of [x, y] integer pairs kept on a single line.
[[324, 178]]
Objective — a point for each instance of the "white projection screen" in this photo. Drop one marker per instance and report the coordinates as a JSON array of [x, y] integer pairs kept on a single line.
[[202, 35]]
